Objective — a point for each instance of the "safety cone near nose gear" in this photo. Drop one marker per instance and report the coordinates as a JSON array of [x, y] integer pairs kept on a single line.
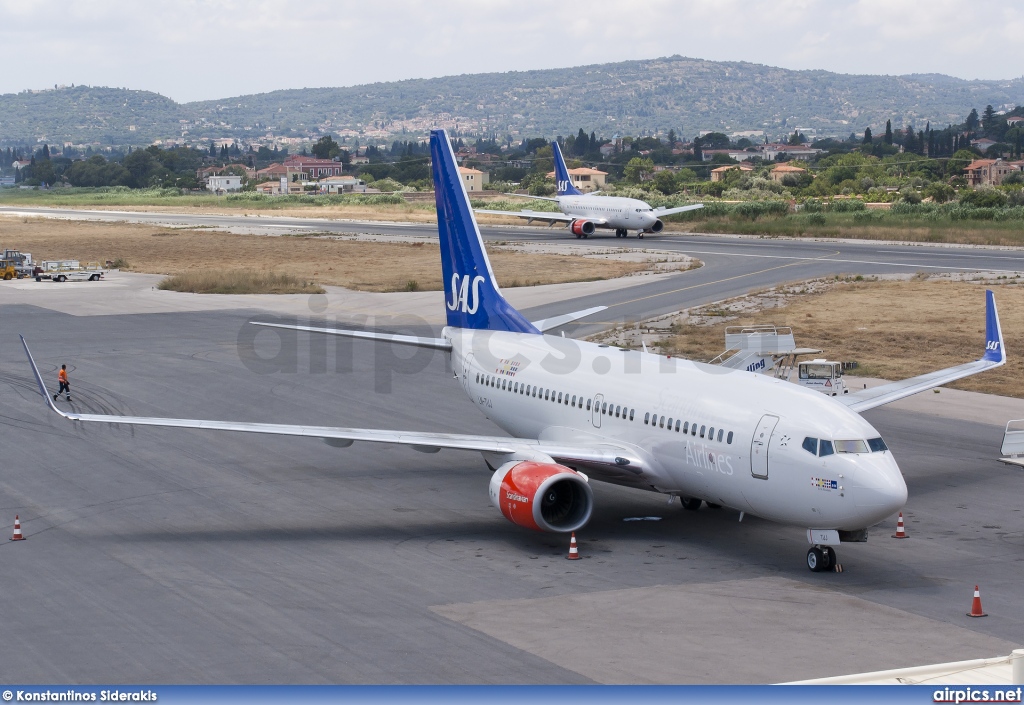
[[574, 555], [900, 533], [976, 610], [17, 530]]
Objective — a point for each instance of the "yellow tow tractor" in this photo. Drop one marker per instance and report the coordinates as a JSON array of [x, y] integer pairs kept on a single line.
[[8, 270]]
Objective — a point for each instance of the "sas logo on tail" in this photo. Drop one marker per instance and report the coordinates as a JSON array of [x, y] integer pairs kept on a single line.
[[992, 345], [563, 186], [465, 293]]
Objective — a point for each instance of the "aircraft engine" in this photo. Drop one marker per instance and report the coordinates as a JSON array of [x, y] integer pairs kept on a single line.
[[582, 227], [542, 496], [657, 227]]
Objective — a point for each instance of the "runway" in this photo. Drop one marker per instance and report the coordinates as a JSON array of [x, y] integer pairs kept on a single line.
[[164, 555], [732, 267]]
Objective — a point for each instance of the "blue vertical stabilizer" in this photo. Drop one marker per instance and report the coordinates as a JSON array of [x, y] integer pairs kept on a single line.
[[993, 331], [563, 183], [472, 297]]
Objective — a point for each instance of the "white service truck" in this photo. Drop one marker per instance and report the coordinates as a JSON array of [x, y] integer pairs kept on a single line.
[[67, 270], [825, 376]]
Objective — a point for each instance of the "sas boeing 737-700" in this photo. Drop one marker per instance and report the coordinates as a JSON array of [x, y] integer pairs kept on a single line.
[[584, 213], [577, 412]]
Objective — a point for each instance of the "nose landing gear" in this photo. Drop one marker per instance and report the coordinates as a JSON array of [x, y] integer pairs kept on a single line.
[[821, 559]]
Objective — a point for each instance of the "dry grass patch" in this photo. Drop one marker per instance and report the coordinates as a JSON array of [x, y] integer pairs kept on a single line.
[[238, 281], [893, 329], [355, 264]]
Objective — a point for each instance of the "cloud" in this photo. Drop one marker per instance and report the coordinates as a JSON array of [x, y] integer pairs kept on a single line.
[[191, 50]]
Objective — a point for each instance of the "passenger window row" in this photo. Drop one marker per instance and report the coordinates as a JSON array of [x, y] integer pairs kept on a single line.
[[681, 426], [503, 383]]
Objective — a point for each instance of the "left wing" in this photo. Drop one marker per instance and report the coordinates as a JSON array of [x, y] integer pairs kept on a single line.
[[662, 212], [603, 455], [531, 215], [995, 356]]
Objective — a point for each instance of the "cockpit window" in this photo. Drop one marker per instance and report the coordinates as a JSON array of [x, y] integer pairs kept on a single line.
[[825, 448], [811, 445], [877, 445], [857, 446]]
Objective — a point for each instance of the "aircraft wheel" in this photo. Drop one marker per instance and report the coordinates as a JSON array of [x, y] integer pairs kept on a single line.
[[640, 235], [585, 236], [690, 503], [815, 559], [831, 555]]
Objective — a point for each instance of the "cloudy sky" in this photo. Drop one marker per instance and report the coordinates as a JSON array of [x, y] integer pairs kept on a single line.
[[195, 50]]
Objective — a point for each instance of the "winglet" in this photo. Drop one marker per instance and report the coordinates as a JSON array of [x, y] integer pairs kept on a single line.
[[39, 380], [563, 183], [994, 349]]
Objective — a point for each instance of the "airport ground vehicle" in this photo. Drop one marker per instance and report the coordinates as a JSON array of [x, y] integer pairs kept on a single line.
[[577, 411], [68, 270]]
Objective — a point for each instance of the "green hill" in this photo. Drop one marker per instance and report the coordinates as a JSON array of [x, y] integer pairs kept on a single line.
[[627, 97]]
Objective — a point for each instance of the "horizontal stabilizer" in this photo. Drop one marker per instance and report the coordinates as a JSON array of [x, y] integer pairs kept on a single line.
[[556, 321], [994, 356], [420, 342], [662, 212]]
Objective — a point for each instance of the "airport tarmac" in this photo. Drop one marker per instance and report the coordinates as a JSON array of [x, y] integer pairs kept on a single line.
[[164, 555]]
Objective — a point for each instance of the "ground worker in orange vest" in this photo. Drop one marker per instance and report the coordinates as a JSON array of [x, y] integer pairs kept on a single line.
[[62, 377]]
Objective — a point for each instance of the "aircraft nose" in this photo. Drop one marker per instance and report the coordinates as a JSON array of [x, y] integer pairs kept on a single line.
[[878, 485]]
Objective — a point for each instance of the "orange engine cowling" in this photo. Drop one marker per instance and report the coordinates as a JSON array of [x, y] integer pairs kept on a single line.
[[582, 227], [542, 496]]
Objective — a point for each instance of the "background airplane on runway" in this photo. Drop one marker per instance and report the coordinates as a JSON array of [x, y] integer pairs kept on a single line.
[[584, 213], [578, 411]]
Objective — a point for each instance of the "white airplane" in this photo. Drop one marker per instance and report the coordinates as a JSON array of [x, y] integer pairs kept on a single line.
[[579, 411], [584, 213]]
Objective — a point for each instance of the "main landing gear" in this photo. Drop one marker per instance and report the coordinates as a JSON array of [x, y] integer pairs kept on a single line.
[[821, 558], [621, 232]]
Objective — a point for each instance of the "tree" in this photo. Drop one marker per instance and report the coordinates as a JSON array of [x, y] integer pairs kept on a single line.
[[665, 181], [715, 140], [638, 170], [972, 121], [988, 119], [672, 139], [213, 149], [888, 132], [867, 135], [327, 148], [796, 139], [582, 144]]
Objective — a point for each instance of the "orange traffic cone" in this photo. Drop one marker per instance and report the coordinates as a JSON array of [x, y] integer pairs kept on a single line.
[[17, 530], [574, 555], [900, 533], [976, 610]]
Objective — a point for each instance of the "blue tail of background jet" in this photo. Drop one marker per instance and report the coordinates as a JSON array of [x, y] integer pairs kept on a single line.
[[563, 183], [472, 297]]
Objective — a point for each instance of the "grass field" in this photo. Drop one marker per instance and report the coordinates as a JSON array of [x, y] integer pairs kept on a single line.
[[889, 228], [238, 281], [355, 264], [892, 329]]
